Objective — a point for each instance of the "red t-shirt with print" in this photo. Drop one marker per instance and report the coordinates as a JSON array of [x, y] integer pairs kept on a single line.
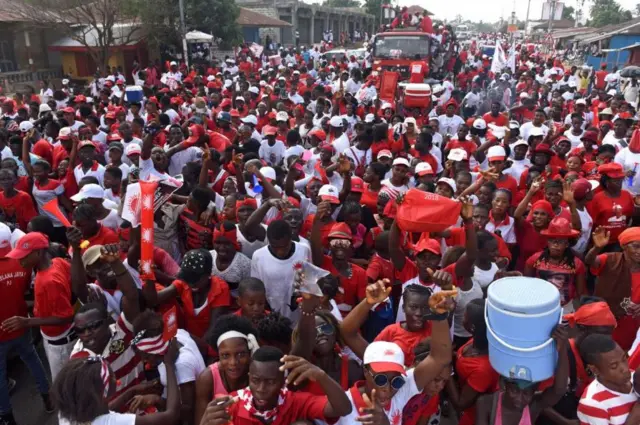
[[405, 339], [611, 213]]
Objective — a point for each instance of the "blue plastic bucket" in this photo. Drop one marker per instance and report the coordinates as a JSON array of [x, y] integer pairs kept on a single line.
[[134, 94], [521, 313]]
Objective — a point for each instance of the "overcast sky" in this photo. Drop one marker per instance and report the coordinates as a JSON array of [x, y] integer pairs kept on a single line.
[[490, 10]]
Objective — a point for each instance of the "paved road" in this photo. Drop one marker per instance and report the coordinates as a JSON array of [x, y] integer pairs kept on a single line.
[[27, 404]]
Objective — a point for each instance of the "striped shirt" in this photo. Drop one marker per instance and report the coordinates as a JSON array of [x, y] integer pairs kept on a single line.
[[124, 362], [602, 406]]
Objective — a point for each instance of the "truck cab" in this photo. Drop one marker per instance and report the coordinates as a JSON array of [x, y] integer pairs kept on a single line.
[[395, 50]]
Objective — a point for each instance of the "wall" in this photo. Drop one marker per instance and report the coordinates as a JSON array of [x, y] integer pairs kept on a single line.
[[612, 59], [272, 12]]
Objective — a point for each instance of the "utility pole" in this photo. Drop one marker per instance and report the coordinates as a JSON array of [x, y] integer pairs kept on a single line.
[[183, 33], [526, 19], [552, 9]]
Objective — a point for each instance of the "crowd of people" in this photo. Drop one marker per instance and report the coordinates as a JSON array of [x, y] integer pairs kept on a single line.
[[278, 170]]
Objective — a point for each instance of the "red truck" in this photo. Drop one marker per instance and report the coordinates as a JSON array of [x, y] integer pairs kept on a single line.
[[396, 50]]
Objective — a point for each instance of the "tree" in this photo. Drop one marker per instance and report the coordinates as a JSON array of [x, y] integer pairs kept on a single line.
[[342, 3], [568, 13], [374, 7], [216, 17], [608, 12], [637, 9], [98, 25]]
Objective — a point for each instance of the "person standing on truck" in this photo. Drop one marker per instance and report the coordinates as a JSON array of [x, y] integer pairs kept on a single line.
[[426, 25], [419, 70]]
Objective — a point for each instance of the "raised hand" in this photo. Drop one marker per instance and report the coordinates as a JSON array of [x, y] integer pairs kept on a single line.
[[373, 413], [601, 237], [378, 292], [300, 370]]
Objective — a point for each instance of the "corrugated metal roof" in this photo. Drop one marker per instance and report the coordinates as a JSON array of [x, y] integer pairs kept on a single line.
[[571, 32], [250, 18], [628, 27]]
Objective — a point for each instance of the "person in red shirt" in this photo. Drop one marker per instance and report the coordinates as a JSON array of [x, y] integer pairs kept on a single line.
[[599, 77], [16, 206], [92, 230], [426, 25], [494, 116], [496, 156], [268, 399], [475, 376], [53, 311], [14, 282], [204, 298], [353, 278], [613, 207]]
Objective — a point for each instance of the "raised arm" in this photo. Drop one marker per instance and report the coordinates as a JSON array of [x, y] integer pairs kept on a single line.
[[600, 239], [520, 211], [552, 395], [317, 250], [567, 195], [398, 258], [78, 273], [130, 304], [26, 158], [350, 327]]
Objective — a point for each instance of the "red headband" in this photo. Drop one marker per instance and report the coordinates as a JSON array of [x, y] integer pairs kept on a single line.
[[544, 206], [249, 202], [594, 314], [230, 235]]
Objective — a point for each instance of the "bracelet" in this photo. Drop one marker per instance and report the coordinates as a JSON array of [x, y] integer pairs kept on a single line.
[[308, 314]]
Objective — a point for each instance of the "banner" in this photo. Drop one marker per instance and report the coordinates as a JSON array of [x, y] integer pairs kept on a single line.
[[511, 61], [132, 201], [499, 61]]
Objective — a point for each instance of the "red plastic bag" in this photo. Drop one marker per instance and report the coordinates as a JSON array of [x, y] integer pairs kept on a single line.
[[426, 212]]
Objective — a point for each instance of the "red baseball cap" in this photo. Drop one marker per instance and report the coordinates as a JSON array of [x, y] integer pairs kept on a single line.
[[225, 103], [69, 110], [27, 244], [357, 184], [427, 244], [612, 170]]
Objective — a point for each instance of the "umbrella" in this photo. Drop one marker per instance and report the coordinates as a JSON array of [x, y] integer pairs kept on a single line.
[[630, 72]]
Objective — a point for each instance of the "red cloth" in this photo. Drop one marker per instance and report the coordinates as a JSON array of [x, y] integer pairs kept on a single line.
[[14, 282], [458, 237], [52, 290], [477, 373], [500, 120], [611, 213], [379, 268], [20, 208], [405, 339], [218, 296], [297, 406], [351, 290]]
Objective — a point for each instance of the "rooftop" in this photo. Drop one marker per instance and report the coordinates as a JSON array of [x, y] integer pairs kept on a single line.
[[250, 18]]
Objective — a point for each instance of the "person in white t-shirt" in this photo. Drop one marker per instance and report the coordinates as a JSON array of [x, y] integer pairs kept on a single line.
[[276, 265], [340, 140], [271, 150], [398, 183], [149, 344], [84, 387]]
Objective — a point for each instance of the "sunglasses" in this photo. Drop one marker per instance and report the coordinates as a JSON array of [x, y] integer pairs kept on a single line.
[[90, 327], [382, 380], [325, 329]]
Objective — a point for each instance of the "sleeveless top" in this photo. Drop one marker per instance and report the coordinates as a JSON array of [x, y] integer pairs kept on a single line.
[[524, 420], [218, 385]]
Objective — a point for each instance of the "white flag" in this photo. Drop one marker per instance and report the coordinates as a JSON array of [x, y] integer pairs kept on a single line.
[[499, 61], [132, 202]]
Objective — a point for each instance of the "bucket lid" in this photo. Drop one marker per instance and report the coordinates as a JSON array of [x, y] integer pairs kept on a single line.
[[524, 295], [133, 88]]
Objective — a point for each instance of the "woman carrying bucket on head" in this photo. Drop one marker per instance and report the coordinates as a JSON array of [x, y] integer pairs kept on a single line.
[[516, 402]]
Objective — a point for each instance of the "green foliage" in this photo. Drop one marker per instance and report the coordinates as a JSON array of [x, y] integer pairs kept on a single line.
[[161, 19], [342, 3], [568, 12], [608, 12]]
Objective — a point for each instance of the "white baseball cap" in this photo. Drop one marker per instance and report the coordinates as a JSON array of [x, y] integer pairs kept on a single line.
[[25, 126], [520, 142], [423, 168], [268, 173], [335, 121], [514, 124], [132, 149], [210, 78], [457, 155], [5, 240], [449, 182], [524, 95], [282, 116], [369, 118], [383, 356], [90, 190], [401, 161], [329, 193], [612, 92], [65, 81], [496, 153], [498, 131], [254, 90], [479, 124], [581, 102], [64, 133], [173, 63], [44, 108], [250, 119], [384, 153]]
